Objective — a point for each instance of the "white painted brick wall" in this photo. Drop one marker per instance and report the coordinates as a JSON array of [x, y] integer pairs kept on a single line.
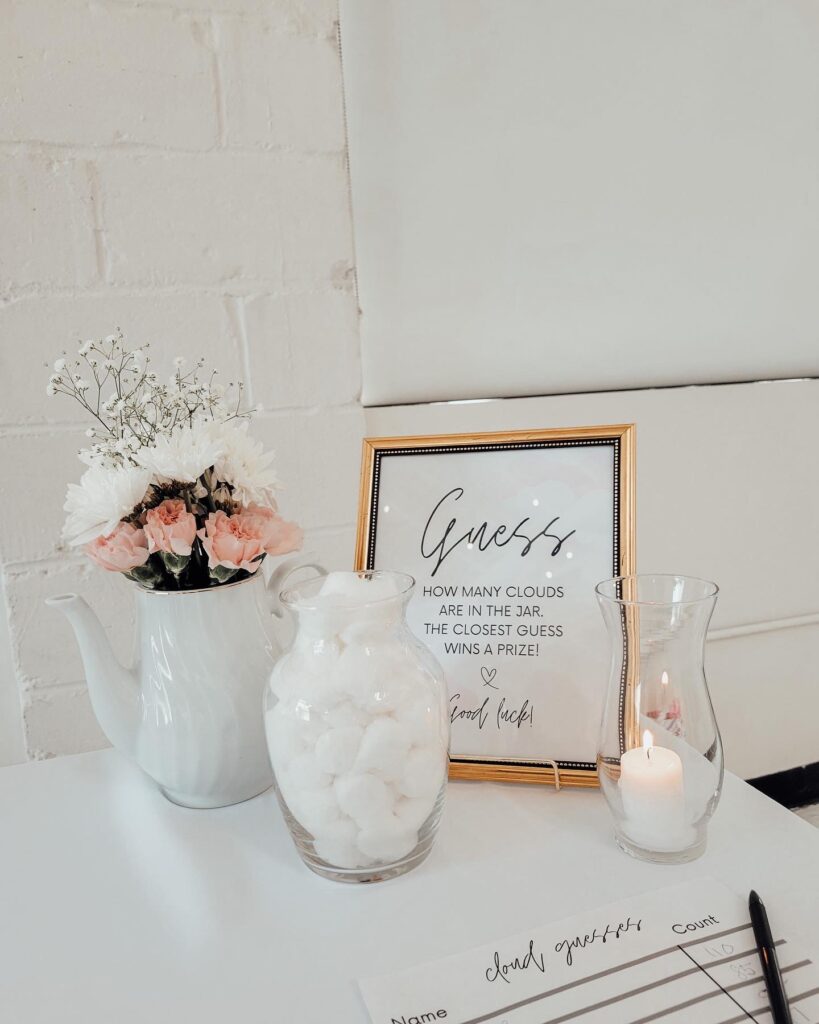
[[175, 168]]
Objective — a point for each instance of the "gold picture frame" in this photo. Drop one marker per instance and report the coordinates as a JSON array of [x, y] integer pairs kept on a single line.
[[621, 439]]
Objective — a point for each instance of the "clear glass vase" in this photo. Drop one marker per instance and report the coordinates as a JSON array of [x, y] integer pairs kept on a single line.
[[660, 754], [357, 726]]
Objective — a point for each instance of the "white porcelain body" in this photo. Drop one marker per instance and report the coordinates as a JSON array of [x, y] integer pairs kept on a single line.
[[202, 662], [189, 710]]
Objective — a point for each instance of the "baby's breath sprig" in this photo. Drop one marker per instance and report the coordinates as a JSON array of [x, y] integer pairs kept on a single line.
[[130, 405]]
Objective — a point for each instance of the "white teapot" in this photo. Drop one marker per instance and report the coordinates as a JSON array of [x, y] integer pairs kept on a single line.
[[189, 710]]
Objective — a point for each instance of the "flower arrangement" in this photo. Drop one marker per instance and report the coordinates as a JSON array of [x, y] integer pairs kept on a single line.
[[177, 495]]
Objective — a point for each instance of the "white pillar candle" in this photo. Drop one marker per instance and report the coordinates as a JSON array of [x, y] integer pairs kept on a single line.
[[651, 788]]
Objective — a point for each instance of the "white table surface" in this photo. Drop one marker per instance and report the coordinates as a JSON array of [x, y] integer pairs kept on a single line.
[[117, 906]]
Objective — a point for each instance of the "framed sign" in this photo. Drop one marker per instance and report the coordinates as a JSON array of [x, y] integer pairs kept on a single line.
[[507, 536]]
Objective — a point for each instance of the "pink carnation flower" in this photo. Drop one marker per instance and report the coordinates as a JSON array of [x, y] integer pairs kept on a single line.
[[239, 541], [122, 550], [170, 527]]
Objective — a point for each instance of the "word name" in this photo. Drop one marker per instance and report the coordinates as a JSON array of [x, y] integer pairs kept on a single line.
[[568, 946], [480, 537], [421, 1018], [501, 971]]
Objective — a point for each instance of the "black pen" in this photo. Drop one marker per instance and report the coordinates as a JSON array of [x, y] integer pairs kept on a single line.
[[780, 1011]]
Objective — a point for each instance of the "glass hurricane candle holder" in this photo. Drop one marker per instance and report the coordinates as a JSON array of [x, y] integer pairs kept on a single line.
[[660, 753]]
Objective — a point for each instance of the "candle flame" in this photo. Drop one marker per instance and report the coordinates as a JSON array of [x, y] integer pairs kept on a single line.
[[664, 679], [648, 740]]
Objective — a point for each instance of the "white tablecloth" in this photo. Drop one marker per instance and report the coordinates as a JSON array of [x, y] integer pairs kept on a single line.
[[118, 907]]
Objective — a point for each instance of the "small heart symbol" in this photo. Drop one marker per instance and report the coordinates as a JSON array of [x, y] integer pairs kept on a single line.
[[488, 674]]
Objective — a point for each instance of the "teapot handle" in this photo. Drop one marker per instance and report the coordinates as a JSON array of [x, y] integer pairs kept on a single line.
[[280, 574]]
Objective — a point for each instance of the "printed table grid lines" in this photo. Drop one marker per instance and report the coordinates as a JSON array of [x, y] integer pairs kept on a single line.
[[709, 995], [720, 987], [712, 936], [659, 1014], [573, 1014], [754, 981], [765, 1009], [670, 950], [735, 956]]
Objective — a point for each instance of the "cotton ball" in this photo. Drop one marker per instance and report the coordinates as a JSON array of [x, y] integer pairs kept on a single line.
[[336, 750], [355, 589], [314, 650], [376, 677], [369, 628], [303, 658], [423, 773], [341, 584], [366, 799], [319, 690], [305, 788], [372, 623], [281, 678], [354, 676], [345, 714], [396, 686], [389, 840], [341, 829], [318, 630], [304, 772], [413, 813], [315, 809], [303, 719], [336, 844], [339, 854], [284, 739], [421, 719], [363, 609], [384, 748]]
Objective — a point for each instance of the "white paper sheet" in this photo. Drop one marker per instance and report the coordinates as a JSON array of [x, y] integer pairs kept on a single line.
[[674, 956]]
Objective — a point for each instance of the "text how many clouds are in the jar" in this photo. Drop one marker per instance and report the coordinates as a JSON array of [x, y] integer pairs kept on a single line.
[[461, 621]]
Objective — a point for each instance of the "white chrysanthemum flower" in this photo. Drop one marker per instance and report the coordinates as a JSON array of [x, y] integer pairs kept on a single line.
[[245, 465], [183, 455], [103, 496]]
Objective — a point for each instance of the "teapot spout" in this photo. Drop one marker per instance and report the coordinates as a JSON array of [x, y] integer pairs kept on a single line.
[[115, 695]]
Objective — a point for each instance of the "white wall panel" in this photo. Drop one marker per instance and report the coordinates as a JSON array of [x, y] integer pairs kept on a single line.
[[765, 696], [554, 196], [727, 488]]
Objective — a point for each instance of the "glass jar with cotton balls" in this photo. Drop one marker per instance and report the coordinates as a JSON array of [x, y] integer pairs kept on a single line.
[[357, 724]]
